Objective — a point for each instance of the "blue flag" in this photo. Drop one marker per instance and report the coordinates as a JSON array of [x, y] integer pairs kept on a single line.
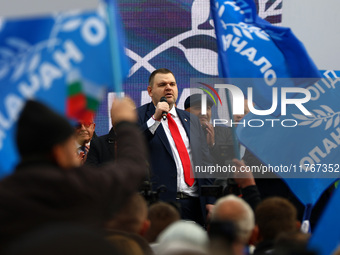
[[303, 150], [58, 60], [250, 47], [326, 237], [120, 64]]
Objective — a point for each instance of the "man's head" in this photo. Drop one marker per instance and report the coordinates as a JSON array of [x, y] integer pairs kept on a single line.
[[236, 210], [275, 216], [193, 105], [162, 83], [132, 218], [160, 215], [42, 134], [84, 131]]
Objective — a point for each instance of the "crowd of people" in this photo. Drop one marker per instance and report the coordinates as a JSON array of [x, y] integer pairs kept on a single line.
[[76, 193]]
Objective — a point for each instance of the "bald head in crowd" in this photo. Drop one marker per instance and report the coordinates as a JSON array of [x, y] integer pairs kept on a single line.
[[236, 210], [132, 218]]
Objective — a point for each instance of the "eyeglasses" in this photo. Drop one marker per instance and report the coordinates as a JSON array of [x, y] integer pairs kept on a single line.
[[85, 124]]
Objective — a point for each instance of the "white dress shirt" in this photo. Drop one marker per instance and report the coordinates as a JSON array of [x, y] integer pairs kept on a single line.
[[153, 125]]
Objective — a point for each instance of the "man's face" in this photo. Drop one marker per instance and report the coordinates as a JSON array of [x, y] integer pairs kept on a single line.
[[84, 132], [164, 85], [196, 110]]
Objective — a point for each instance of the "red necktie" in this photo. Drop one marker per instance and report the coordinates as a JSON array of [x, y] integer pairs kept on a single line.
[[182, 150]]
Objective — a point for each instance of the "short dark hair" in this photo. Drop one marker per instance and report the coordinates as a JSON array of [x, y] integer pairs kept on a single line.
[[160, 70], [275, 216], [161, 215]]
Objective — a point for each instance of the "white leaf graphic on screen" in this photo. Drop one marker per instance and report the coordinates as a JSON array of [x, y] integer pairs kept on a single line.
[[200, 12], [197, 57], [265, 12]]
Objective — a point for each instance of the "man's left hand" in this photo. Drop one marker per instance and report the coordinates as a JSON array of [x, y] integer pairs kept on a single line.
[[210, 134]]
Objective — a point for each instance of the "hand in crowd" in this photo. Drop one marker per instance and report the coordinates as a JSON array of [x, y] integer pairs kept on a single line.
[[123, 109], [243, 178], [81, 157], [160, 108], [210, 134]]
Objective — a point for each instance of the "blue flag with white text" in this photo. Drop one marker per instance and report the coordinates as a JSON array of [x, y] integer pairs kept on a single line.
[[302, 149], [57, 59], [250, 47]]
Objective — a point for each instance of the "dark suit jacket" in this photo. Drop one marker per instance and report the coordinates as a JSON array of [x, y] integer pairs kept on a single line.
[[40, 193], [162, 164], [102, 149]]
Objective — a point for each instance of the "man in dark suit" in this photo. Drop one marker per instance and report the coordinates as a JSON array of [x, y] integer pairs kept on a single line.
[[104, 148], [174, 153]]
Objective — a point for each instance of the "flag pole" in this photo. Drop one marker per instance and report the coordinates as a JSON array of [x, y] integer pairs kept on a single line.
[[117, 78]]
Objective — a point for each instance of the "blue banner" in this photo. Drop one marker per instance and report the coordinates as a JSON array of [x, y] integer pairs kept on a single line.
[[302, 149], [250, 47], [39, 57]]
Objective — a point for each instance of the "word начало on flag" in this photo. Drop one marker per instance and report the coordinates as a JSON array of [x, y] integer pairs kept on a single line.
[[54, 59], [303, 150], [250, 47]]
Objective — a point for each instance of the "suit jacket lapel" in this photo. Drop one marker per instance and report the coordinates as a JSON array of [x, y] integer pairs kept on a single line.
[[185, 122], [160, 130]]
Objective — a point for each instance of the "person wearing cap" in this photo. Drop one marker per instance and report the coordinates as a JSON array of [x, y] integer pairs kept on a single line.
[[173, 152], [219, 138], [48, 187]]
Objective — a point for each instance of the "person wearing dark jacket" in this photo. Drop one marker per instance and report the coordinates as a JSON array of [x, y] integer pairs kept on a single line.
[[177, 146], [48, 187], [103, 149]]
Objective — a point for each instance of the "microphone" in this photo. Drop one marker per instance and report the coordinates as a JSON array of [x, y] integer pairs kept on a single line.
[[163, 99]]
